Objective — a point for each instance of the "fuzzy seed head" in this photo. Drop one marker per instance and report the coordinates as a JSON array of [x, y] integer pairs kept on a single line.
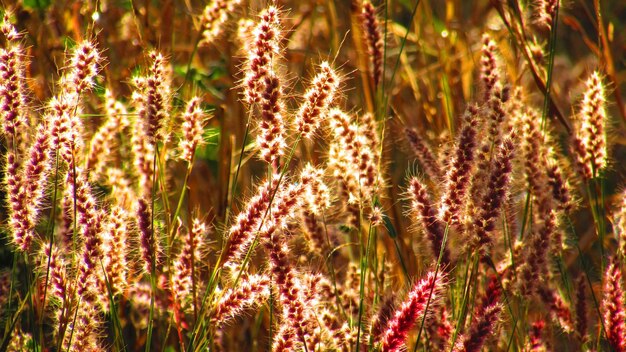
[[103, 141], [422, 206], [148, 238], [13, 93], [265, 45], [84, 65], [545, 11], [497, 190], [589, 142], [613, 307], [411, 311], [193, 121], [252, 291], [152, 97], [214, 17], [460, 171], [317, 195], [316, 100], [424, 154], [240, 234], [114, 248], [7, 28], [489, 73], [271, 140], [374, 40]]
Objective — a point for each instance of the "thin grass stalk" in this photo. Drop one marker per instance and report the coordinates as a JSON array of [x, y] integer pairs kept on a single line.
[[583, 264], [167, 333], [520, 42], [405, 270], [11, 323], [402, 44], [69, 343], [331, 269], [508, 243], [526, 216], [510, 343], [62, 330], [153, 256], [364, 266], [363, 62], [161, 168], [388, 224], [601, 208], [430, 295], [466, 293], [50, 230], [384, 68], [8, 330], [546, 100], [180, 204], [595, 212], [233, 189], [117, 326], [31, 301], [271, 311]]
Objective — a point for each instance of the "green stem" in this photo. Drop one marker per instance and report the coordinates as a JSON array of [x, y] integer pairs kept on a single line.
[[432, 289], [468, 283], [153, 257], [364, 265], [546, 99]]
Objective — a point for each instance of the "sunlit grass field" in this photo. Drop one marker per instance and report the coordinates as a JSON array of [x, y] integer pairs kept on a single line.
[[232, 175]]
